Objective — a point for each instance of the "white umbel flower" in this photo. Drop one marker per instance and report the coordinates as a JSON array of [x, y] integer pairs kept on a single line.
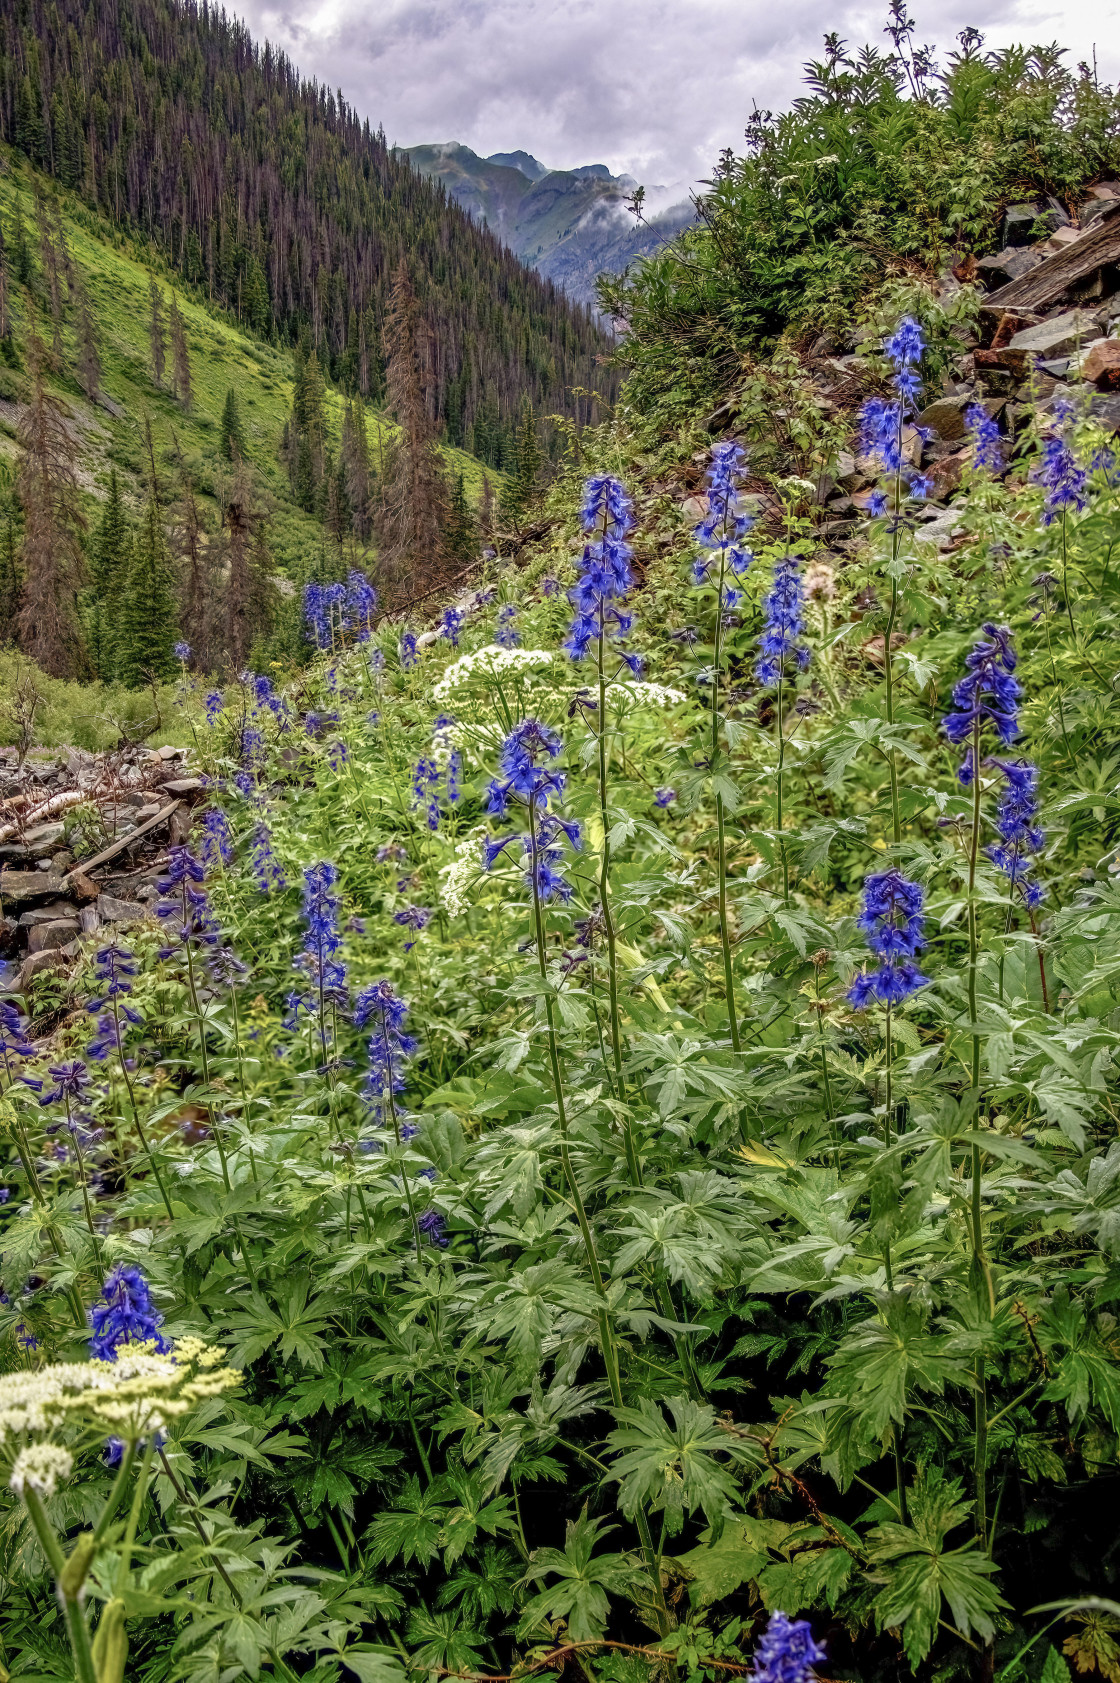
[[645, 695], [39, 1468], [490, 662]]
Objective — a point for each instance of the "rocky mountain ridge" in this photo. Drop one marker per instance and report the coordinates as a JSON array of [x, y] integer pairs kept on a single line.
[[570, 225]]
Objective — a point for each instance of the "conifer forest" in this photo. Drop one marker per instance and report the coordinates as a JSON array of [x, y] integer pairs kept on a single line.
[[559, 889]]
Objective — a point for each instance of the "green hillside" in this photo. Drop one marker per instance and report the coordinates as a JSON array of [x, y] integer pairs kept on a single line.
[[116, 273]]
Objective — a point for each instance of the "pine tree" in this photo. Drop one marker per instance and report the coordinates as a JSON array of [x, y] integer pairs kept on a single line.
[[413, 506], [5, 304], [22, 268], [462, 527], [486, 507], [192, 549], [180, 355], [249, 593], [111, 564], [11, 579], [232, 436], [49, 629], [89, 361], [522, 487], [355, 460], [156, 339], [48, 260], [150, 627]]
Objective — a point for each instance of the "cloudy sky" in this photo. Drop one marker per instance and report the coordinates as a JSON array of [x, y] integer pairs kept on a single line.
[[654, 88]]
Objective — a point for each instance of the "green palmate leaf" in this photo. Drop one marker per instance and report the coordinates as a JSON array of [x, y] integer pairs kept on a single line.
[[717, 1568], [922, 1573], [442, 1642], [679, 1466], [884, 1359], [580, 1597], [411, 1530]]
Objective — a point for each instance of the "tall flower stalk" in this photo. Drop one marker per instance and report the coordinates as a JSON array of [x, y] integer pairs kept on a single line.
[[882, 421], [607, 519], [782, 654], [114, 967], [720, 535], [986, 698]]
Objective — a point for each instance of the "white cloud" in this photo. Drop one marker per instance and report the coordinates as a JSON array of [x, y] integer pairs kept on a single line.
[[648, 87]]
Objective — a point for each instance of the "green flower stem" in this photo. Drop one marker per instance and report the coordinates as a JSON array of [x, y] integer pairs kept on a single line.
[[780, 794], [115, 1494], [721, 835], [608, 920], [118, 1037], [979, 1263], [190, 1502], [610, 1351], [397, 1134], [68, 1592], [888, 667], [23, 1151], [132, 1525]]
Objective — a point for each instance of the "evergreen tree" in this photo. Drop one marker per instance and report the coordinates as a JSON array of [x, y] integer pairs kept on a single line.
[[232, 442], [22, 269], [5, 302], [180, 355], [156, 338], [356, 463], [191, 546], [486, 507], [462, 527], [89, 361], [413, 506], [111, 564], [249, 603], [521, 488], [149, 628], [49, 629], [48, 262], [11, 579]]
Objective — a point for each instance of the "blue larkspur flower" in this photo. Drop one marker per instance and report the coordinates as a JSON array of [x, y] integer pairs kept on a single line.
[[125, 1314], [1062, 478], [507, 636], [607, 519], [1021, 836], [530, 780], [214, 706], [786, 1651], [390, 1046], [781, 650], [987, 695], [13, 1036], [451, 625], [892, 922], [184, 900], [267, 869], [361, 602], [217, 842], [408, 654], [987, 445], [182, 651], [721, 532]]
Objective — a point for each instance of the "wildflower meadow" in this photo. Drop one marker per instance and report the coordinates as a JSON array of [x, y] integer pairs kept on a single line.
[[603, 1158]]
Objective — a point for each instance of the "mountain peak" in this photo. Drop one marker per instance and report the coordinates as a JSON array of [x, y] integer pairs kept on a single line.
[[524, 161]]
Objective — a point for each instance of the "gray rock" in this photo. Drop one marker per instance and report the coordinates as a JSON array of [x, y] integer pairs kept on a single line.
[[46, 937], [1057, 367], [183, 785], [45, 914], [1035, 220], [36, 963], [1091, 212], [1105, 407], [118, 911], [143, 813], [27, 888], [1054, 338], [89, 919], [42, 835], [946, 416], [1009, 264]]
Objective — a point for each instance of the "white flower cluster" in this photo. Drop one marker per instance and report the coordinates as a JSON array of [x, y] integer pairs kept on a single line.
[[645, 695], [459, 875], [39, 1468], [491, 661], [135, 1395]]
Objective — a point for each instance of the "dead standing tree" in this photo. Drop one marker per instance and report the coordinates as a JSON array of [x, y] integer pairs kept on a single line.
[[52, 561], [412, 510]]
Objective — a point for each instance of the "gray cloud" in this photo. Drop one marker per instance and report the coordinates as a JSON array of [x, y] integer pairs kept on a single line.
[[644, 86]]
